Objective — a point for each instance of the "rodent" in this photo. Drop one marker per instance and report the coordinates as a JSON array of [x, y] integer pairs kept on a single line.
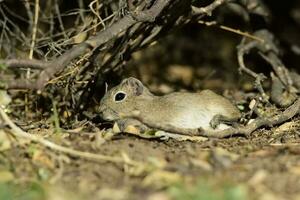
[[131, 102]]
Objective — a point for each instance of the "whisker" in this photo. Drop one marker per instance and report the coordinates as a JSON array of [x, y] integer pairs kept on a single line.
[[106, 87]]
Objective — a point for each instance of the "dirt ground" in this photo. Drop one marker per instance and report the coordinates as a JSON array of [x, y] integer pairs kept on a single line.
[[263, 166]]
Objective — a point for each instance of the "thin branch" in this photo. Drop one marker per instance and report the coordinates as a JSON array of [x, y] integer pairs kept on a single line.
[[33, 138], [24, 63], [208, 9], [242, 50], [34, 31], [61, 24]]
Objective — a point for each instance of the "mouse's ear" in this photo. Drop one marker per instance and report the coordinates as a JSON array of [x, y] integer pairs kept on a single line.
[[134, 84]]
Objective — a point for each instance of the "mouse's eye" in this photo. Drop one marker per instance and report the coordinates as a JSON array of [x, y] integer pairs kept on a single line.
[[120, 96]]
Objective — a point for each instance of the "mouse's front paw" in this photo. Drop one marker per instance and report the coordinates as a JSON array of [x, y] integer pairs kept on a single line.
[[122, 124], [131, 125]]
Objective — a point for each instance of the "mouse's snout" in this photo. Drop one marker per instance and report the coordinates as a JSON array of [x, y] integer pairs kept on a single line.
[[101, 108], [101, 111], [105, 113]]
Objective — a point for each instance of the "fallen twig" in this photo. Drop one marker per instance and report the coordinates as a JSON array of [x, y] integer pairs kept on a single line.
[[72, 152]]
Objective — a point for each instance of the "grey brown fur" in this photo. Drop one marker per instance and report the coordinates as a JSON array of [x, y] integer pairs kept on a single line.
[[204, 110]]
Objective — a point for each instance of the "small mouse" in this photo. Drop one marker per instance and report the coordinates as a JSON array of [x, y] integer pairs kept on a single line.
[[131, 103]]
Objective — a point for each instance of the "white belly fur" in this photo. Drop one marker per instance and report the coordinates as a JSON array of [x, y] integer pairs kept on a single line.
[[193, 120]]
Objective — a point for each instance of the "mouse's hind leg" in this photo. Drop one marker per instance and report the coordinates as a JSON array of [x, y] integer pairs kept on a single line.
[[221, 119]]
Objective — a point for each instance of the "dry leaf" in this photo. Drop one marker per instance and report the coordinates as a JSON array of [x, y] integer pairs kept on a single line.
[[159, 196], [6, 176], [252, 104], [114, 194], [5, 142], [5, 99], [132, 129], [288, 126], [79, 38], [43, 159], [162, 178], [258, 178], [203, 164], [116, 128]]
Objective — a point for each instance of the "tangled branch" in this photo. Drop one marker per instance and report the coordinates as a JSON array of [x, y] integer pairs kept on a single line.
[[49, 69]]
